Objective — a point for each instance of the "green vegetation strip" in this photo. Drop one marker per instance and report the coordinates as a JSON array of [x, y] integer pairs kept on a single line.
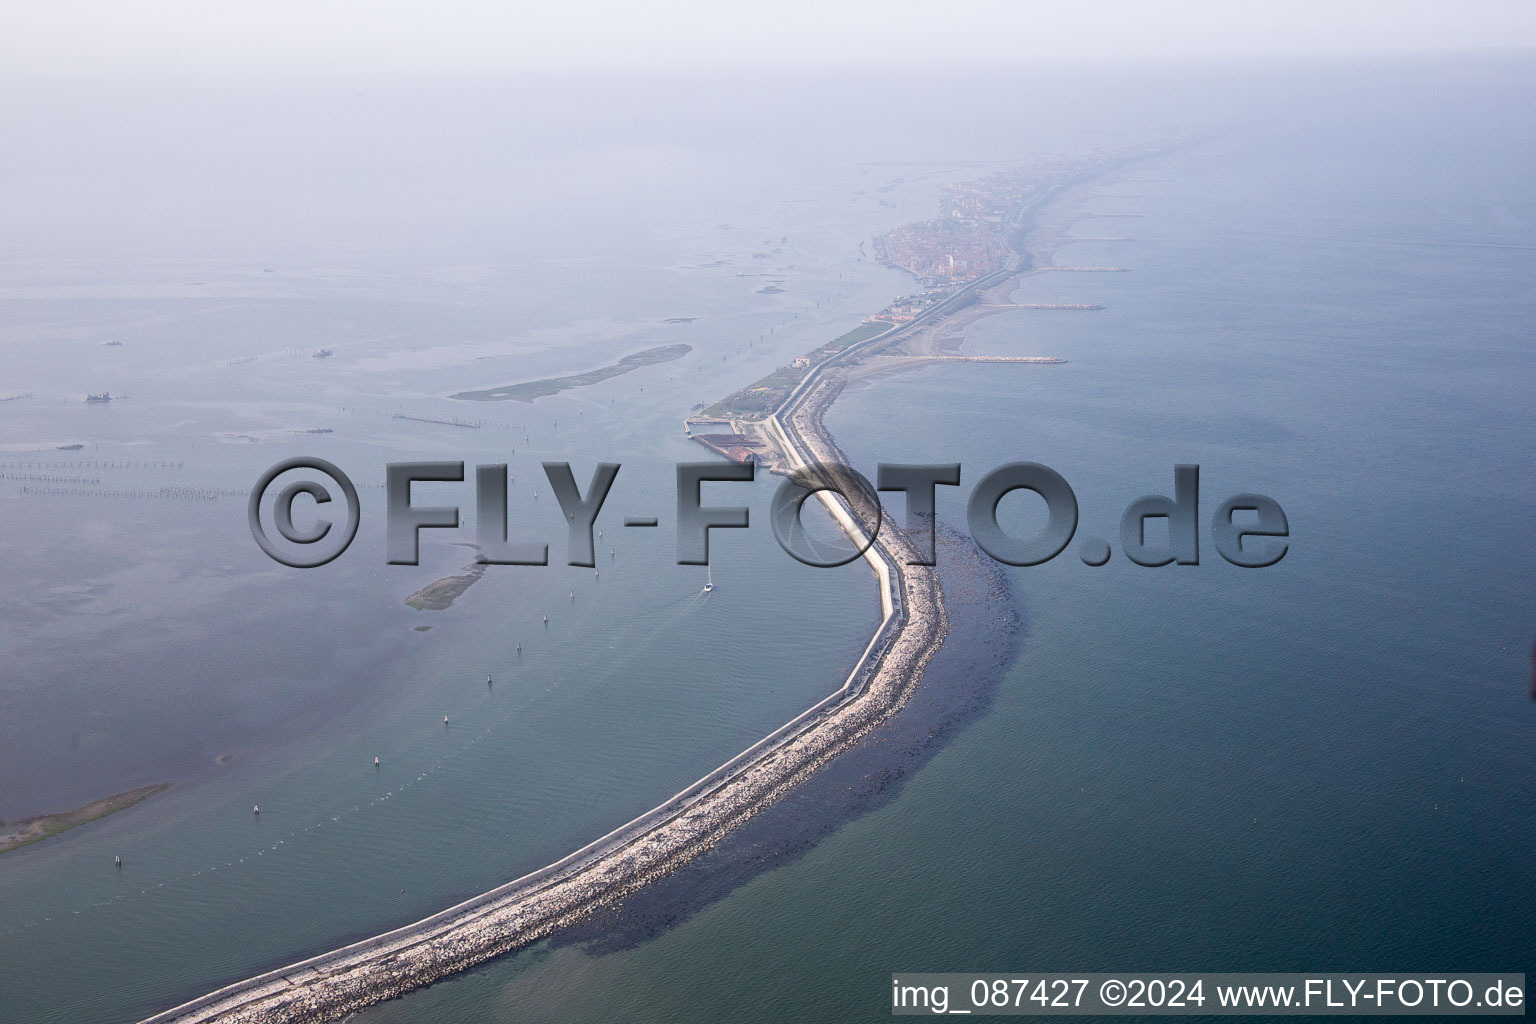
[[440, 594], [35, 830], [764, 396], [535, 389]]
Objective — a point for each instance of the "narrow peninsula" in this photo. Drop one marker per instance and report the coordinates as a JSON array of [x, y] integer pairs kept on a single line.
[[532, 390], [777, 423], [34, 830], [440, 594]]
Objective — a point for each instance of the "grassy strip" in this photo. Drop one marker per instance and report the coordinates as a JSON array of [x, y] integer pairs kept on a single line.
[[766, 394], [35, 830], [439, 594], [535, 389]]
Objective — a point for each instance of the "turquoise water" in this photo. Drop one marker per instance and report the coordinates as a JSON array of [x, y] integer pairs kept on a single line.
[[156, 643], [1324, 765]]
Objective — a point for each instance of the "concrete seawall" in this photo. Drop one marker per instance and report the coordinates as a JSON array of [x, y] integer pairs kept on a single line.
[[527, 909], [335, 984]]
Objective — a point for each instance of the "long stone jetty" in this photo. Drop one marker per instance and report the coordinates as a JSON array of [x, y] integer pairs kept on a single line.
[[333, 985], [913, 623]]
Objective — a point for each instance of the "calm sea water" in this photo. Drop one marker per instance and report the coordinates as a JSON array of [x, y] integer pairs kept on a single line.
[[1324, 765]]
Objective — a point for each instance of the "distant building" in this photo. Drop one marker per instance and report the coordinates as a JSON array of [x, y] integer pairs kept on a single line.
[[741, 453]]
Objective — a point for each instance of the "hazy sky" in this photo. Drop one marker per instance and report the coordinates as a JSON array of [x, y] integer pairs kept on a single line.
[[279, 36]]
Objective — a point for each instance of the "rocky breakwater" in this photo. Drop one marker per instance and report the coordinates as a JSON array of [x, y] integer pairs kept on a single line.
[[331, 986]]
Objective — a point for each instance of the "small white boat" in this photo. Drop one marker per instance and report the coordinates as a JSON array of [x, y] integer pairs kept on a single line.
[[709, 579]]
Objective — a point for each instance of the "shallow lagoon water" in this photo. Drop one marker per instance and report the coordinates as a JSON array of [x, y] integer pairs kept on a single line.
[[1319, 766], [1324, 765]]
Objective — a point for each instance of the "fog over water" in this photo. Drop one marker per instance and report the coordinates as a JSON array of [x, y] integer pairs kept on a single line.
[[1327, 300]]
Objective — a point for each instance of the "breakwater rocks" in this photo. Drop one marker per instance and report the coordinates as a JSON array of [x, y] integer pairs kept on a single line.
[[331, 986]]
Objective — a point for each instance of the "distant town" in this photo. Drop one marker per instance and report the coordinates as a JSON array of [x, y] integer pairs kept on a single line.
[[979, 233]]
